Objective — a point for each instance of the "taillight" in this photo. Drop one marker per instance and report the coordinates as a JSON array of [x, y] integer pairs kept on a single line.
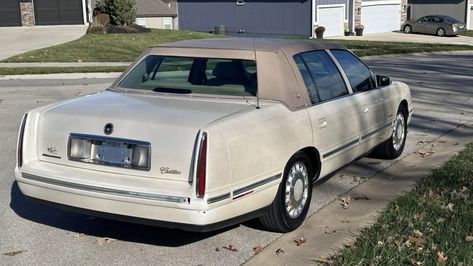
[[20, 141], [202, 166]]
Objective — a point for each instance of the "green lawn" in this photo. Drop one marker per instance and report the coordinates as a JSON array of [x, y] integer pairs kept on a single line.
[[106, 48], [469, 33], [431, 225], [126, 47]]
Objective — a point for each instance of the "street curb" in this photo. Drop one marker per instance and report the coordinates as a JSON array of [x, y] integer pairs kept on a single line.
[[464, 52], [333, 227], [64, 64], [105, 75]]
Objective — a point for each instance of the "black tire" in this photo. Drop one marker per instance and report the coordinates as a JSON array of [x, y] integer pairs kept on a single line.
[[387, 149], [441, 32], [407, 29], [277, 218]]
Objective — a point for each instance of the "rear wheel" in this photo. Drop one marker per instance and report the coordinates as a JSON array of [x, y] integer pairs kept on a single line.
[[290, 207], [441, 32], [407, 29], [393, 147]]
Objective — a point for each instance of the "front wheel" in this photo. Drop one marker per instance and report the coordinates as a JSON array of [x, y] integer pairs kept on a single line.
[[290, 207], [441, 32], [393, 147], [408, 29]]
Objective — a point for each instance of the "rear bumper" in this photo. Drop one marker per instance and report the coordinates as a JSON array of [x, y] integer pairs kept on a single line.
[[190, 214]]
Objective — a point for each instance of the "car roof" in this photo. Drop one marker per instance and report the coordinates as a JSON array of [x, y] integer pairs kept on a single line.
[[254, 44]]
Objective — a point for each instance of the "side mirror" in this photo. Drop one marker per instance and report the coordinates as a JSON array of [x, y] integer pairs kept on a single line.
[[383, 80]]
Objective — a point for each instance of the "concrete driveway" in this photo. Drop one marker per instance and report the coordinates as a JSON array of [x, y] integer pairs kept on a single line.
[[414, 37], [17, 40], [46, 236]]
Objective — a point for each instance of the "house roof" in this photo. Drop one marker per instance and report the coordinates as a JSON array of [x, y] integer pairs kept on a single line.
[[152, 8]]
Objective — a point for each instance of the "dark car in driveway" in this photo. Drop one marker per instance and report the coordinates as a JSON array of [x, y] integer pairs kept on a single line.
[[439, 25]]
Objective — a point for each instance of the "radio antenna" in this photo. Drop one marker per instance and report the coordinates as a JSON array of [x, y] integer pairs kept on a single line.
[[257, 90]]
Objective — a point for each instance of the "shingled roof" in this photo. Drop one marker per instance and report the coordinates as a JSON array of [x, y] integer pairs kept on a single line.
[[153, 8]]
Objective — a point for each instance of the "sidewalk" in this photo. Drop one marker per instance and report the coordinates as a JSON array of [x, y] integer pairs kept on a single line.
[[332, 227], [17, 40]]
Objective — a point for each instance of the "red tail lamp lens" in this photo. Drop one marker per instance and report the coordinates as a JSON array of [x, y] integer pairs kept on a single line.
[[202, 166]]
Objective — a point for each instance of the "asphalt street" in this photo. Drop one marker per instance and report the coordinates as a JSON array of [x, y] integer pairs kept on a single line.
[[442, 89]]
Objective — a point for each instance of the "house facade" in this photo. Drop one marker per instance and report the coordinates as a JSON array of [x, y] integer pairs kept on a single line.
[[43, 12], [150, 13], [462, 10], [291, 17]]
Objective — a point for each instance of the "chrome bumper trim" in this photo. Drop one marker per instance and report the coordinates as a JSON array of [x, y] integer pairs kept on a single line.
[[255, 185], [110, 191], [218, 198]]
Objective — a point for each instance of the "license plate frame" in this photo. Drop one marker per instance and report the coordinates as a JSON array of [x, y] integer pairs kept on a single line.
[[110, 151]]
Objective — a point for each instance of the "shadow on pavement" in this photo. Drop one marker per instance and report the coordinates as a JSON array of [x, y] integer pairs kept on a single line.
[[99, 227]]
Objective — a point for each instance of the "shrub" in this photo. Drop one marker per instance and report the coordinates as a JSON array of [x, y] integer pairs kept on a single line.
[[96, 29], [121, 12]]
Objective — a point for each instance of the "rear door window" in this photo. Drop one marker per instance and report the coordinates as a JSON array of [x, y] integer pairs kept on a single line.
[[358, 74], [324, 73]]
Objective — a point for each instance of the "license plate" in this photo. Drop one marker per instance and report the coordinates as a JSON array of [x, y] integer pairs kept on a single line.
[[109, 151]]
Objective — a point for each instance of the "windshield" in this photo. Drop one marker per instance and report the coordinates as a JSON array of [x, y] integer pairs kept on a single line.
[[184, 75]]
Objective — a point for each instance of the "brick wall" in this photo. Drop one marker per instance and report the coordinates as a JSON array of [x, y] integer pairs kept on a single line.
[[27, 14]]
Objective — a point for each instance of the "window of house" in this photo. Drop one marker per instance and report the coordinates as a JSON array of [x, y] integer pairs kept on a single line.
[[167, 22]]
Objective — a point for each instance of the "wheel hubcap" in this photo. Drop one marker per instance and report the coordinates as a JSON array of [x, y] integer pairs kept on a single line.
[[296, 189], [399, 132], [441, 32], [407, 29]]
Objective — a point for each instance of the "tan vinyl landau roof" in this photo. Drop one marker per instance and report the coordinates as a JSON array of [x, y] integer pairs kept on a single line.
[[278, 78]]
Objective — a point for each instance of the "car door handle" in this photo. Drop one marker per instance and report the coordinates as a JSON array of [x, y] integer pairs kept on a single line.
[[323, 123], [365, 108]]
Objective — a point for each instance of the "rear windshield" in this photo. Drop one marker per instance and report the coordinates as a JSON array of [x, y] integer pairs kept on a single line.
[[184, 75]]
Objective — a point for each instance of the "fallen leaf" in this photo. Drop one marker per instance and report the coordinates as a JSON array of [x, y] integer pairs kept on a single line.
[[417, 240], [13, 253], [280, 251], [362, 197], [217, 249], [418, 233], [469, 238], [416, 262], [299, 241], [77, 235], [345, 201], [258, 250], [104, 240], [441, 258], [325, 261], [441, 220], [425, 153], [231, 248], [449, 206]]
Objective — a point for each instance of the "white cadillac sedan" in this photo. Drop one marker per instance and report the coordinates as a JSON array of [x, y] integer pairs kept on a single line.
[[201, 134]]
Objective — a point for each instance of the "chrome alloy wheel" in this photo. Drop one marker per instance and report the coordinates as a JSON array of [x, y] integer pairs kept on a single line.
[[399, 131], [297, 189]]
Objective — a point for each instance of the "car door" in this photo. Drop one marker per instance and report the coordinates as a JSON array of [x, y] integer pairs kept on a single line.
[[334, 116], [421, 25], [433, 24], [376, 117]]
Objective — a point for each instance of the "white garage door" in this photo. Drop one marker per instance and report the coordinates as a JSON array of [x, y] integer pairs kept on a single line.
[[380, 18], [332, 19]]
